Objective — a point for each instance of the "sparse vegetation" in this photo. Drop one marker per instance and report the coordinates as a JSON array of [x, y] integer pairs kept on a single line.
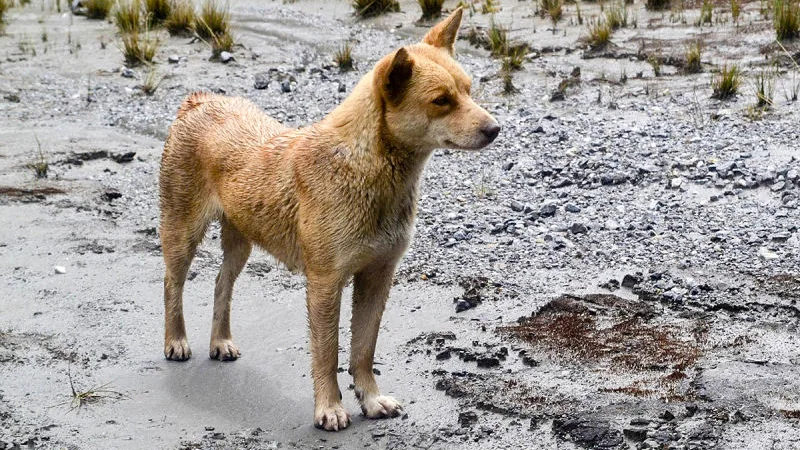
[[726, 83], [5, 5], [599, 35], [706, 13], [508, 84], [617, 16], [128, 16], [655, 62], [151, 81], [98, 9], [39, 164], [657, 5], [514, 58], [139, 49], [180, 21], [221, 43], [787, 19], [694, 52], [370, 8], [554, 10], [489, 7], [764, 89], [156, 12], [431, 9], [344, 57], [214, 20], [498, 39], [736, 10]]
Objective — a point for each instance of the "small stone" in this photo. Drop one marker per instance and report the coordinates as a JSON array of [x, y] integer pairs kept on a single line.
[[443, 355], [226, 57], [676, 183], [793, 174], [508, 166], [517, 206], [635, 434], [128, 73], [173, 59], [529, 361], [463, 305], [342, 87], [578, 228], [667, 415], [611, 224], [778, 186], [60, 270], [629, 280], [781, 236], [767, 254], [467, 419], [209, 428], [488, 362], [570, 208], [548, 210], [286, 86], [261, 80]]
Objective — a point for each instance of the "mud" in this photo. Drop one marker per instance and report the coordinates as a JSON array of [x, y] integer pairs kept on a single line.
[[620, 270]]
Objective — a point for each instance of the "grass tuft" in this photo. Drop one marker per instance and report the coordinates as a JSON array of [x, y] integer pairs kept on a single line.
[[498, 39], [787, 19], [764, 89], [151, 81], [98, 9], [370, 8], [344, 57], [180, 21], [5, 5], [599, 35], [726, 83], [694, 52], [706, 13], [617, 16], [736, 10], [214, 20], [431, 9], [554, 10], [156, 12], [489, 7], [128, 17], [39, 165], [221, 43], [138, 49]]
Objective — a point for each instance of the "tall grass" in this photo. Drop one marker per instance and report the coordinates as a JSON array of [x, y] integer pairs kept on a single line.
[[369, 8], [599, 35], [214, 20], [5, 5], [98, 9], [787, 19], [694, 52], [181, 18], [344, 57], [128, 17], [726, 83], [157, 11], [431, 9], [617, 16], [139, 49]]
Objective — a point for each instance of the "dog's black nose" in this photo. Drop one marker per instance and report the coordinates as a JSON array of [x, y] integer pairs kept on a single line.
[[491, 132]]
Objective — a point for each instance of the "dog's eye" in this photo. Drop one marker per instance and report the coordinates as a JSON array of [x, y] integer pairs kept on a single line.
[[442, 100]]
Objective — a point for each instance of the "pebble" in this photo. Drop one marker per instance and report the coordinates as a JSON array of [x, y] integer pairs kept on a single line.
[[261, 80], [767, 254], [128, 73], [173, 59], [286, 86], [571, 208], [578, 228], [676, 183], [226, 57], [60, 270]]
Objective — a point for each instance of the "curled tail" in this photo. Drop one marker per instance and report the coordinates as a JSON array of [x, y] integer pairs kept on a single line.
[[194, 100]]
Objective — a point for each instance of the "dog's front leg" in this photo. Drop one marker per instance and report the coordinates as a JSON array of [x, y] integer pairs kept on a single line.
[[370, 292], [323, 301]]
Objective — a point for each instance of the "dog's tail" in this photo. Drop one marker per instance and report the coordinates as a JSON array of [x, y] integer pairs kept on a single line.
[[194, 100]]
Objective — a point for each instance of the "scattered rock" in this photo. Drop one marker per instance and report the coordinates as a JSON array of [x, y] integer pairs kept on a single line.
[[589, 433], [467, 419], [60, 270], [226, 57]]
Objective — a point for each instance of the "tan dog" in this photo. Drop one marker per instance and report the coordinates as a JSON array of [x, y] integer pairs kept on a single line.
[[336, 200]]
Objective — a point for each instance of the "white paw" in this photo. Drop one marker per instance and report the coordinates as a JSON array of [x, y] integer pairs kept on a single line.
[[224, 350], [332, 418], [381, 406], [177, 349]]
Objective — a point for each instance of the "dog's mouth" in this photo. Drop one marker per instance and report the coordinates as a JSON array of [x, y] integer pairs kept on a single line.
[[450, 144]]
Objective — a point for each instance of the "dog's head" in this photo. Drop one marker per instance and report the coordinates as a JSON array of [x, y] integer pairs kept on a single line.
[[426, 94]]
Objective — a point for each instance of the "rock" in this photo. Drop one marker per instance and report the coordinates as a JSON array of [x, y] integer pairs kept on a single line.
[[467, 419], [463, 305], [611, 224], [60, 270], [111, 195], [548, 210], [589, 433], [342, 87], [443, 355], [529, 361], [676, 183], [570, 208], [778, 186], [226, 57], [667, 415], [578, 228], [517, 206], [173, 59], [767, 254], [286, 86], [128, 73], [261, 80], [631, 280], [508, 165], [635, 434], [781, 236], [793, 174], [487, 362]]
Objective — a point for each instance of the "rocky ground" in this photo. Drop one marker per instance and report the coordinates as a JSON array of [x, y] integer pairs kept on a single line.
[[621, 269]]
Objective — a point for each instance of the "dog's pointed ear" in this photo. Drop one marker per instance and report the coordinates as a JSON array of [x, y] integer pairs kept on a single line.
[[395, 76], [444, 34]]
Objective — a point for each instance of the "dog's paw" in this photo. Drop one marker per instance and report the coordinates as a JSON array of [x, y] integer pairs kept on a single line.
[[224, 350], [380, 407], [332, 418], [177, 349]]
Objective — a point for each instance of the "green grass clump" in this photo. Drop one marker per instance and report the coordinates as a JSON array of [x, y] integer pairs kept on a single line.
[[431, 9], [617, 16], [128, 17], [214, 20], [554, 10], [765, 89], [599, 34], [370, 8], [5, 5], [157, 11], [693, 54], [787, 19], [98, 9], [221, 43], [139, 49], [657, 5], [736, 10], [706, 13], [498, 39], [344, 57], [39, 165], [180, 21], [489, 7], [726, 84]]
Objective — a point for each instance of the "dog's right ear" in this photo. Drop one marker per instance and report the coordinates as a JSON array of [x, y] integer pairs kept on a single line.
[[393, 78]]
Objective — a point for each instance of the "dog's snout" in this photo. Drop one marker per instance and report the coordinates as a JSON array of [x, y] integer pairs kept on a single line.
[[491, 131]]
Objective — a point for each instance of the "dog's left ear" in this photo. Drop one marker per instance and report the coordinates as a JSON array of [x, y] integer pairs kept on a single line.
[[393, 75], [444, 34]]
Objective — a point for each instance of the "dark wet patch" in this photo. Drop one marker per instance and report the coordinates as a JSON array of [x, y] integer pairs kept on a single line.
[[77, 159], [594, 434], [517, 398], [29, 195], [608, 328]]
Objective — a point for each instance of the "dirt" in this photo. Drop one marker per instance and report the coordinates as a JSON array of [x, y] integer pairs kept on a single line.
[[621, 269]]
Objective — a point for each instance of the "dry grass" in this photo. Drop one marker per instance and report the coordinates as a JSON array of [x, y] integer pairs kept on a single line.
[[726, 83], [431, 9], [151, 81], [221, 43], [694, 52], [344, 57], [736, 10], [706, 13], [98, 9], [139, 49], [157, 11], [489, 7], [764, 89], [599, 35], [617, 16], [128, 17], [554, 10], [787, 19], [5, 5], [180, 21], [498, 39], [214, 20], [370, 8], [39, 165]]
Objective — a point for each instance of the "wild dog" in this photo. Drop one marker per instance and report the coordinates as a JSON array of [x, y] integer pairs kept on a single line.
[[335, 200]]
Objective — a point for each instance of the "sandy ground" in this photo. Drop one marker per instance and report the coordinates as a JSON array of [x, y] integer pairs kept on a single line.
[[697, 349]]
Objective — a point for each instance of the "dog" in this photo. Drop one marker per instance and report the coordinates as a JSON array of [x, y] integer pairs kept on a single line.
[[335, 200]]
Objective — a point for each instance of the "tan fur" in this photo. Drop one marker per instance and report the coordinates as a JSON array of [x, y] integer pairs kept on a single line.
[[335, 200]]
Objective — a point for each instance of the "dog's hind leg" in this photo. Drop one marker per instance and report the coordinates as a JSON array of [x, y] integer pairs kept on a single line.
[[179, 240], [370, 292], [236, 249]]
